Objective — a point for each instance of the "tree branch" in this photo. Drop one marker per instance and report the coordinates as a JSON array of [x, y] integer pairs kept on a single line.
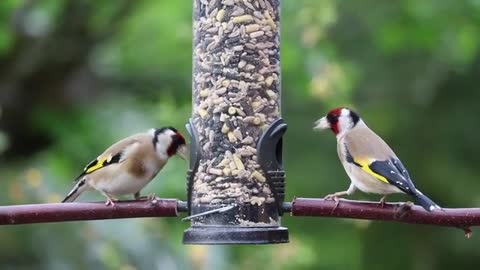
[[55, 212], [462, 218], [454, 217]]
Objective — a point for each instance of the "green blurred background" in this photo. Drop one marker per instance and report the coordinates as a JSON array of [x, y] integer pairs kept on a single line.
[[77, 75]]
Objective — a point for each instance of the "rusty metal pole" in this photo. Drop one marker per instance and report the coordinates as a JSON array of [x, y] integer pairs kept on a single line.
[[236, 179]]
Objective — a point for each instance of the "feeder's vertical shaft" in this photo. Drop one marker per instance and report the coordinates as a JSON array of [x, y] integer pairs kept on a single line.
[[236, 114]]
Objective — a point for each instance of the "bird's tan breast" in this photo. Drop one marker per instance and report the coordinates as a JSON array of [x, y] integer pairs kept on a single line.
[[143, 162]]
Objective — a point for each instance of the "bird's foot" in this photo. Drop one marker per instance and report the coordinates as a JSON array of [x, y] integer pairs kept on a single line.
[[334, 197], [331, 197], [382, 201], [110, 202], [468, 232], [403, 209], [150, 197]]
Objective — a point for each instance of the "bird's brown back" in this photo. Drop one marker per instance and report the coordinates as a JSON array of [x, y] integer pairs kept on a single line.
[[367, 144]]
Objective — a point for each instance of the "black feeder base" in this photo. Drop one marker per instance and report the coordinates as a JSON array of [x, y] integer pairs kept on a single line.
[[224, 235]]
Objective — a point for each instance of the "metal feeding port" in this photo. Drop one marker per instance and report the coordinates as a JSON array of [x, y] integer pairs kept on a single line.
[[236, 181]]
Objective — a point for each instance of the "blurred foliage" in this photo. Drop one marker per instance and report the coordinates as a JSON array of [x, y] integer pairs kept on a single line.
[[76, 76]]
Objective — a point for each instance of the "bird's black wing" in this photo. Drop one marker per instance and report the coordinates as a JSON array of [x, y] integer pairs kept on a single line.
[[395, 173], [100, 162]]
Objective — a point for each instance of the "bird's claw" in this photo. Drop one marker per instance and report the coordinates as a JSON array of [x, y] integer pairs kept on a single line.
[[334, 198], [149, 197], [109, 202], [152, 198], [468, 232], [383, 201], [403, 209]]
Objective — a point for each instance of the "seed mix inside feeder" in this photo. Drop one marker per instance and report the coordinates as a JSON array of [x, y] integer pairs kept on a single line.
[[236, 128]]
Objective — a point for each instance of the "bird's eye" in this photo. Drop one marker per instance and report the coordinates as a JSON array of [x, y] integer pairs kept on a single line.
[[332, 118]]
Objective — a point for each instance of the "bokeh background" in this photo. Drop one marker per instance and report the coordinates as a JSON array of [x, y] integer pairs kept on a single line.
[[77, 75]]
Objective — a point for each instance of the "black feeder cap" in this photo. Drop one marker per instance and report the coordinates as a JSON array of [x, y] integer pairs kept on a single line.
[[221, 235], [218, 224]]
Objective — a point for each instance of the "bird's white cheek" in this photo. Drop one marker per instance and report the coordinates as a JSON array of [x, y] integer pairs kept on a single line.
[[322, 123]]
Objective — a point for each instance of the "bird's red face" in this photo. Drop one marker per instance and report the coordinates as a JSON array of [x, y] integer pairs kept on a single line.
[[177, 145], [168, 141], [333, 119], [338, 120]]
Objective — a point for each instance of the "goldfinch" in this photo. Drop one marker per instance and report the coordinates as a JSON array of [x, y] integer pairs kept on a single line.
[[130, 164], [369, 162]]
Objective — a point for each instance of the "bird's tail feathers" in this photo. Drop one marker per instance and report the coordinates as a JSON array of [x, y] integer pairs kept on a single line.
[[76, 191], [425, 202]]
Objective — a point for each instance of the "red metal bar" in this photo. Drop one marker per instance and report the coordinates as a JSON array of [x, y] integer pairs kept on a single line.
[[56, 212], [458, 217]]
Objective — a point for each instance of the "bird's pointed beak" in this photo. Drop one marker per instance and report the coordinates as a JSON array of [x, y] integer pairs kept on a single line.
[[322, 123], [183, 152]]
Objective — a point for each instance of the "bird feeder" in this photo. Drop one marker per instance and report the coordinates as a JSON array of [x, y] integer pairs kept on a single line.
[[236, 181]]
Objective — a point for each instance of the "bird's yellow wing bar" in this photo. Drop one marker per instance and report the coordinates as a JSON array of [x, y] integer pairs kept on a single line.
[[364, 164], [96, 164]]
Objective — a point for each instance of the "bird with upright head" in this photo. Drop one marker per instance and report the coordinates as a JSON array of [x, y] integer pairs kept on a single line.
[[370, 163], [129, 165]]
